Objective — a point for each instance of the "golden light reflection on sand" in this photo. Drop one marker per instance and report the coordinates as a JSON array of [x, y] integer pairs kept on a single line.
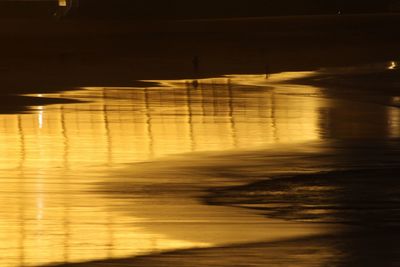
[[62, 3], [50, 159], [392, 65], [394, 120]]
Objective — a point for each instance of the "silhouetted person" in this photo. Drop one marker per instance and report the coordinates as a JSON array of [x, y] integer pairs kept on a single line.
[[267, 71], [195, 84]]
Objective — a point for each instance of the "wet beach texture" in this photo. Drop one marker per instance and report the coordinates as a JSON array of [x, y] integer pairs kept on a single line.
[[355, 249], [358, 205], [200, 143], [338, 183]]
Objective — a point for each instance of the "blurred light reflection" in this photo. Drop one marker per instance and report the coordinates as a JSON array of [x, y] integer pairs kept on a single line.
[[62, 3], [392, 65], [48, 158]]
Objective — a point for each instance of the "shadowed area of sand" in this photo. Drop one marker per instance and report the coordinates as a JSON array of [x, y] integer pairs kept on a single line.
[[11, 104], [365, 199], [362, 248]]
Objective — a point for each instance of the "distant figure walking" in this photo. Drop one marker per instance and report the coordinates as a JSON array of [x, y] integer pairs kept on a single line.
[[195, 84], [267, 72]]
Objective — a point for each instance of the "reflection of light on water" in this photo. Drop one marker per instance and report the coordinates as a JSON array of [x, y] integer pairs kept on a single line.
[[394, 118], [40, 117], [258, 80], [122, 125], [243, 80], [392, 65], [40, 207], [62, 2], [39, 196]]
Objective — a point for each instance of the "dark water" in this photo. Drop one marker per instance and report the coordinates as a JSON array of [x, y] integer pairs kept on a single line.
[[241, 160]]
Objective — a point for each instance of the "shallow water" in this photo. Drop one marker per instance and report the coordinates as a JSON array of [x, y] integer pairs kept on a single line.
[[59, 163]]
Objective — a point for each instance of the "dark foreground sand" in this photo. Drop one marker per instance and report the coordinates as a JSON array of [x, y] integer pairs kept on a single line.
[[363, 196], [357, 249]]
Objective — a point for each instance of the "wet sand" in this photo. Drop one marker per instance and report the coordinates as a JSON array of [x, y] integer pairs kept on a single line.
[[341, 188], [307, 132], [358, 207], [356, 249], [69, 195]]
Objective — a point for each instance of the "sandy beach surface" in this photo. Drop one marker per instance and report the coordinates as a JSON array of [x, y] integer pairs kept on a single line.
[[200, 143]]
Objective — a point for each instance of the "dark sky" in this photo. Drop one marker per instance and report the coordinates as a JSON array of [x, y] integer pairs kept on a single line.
[[205, 8], [209, 8]]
